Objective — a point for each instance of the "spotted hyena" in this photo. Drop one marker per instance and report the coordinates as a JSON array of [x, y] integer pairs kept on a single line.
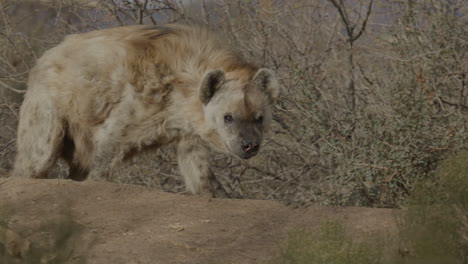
[[99, 96]]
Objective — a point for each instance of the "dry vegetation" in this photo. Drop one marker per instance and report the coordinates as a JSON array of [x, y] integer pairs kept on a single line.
[[433, 230], [375, 93]]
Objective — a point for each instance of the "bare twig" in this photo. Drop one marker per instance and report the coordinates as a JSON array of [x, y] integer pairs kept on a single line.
[[5, 85]]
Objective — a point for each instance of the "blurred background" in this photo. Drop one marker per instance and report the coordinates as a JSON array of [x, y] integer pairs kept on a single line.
[[374, 95]]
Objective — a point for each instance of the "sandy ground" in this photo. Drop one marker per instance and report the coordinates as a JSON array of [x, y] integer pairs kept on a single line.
[[134, 224]]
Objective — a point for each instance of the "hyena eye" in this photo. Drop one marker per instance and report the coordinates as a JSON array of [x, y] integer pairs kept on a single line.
[[228, 119], [260, 119]]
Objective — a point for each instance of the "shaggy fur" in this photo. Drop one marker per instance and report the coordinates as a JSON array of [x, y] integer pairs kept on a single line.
[[99, 96]]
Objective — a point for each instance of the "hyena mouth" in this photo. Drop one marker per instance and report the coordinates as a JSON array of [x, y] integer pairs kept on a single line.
[[248, 155]]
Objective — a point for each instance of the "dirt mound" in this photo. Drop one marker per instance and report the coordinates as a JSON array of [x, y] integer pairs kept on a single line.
[[133, 224]]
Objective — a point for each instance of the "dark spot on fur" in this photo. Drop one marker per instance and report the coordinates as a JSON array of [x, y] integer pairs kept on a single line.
[[201, 166], [58, 68], [90, 76], [168, 86], [191, 148], [153, 91]]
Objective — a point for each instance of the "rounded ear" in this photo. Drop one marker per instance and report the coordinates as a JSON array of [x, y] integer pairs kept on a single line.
[[265, 80], [211, 83]]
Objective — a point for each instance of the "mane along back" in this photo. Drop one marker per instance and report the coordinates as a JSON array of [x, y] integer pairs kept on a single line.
[[192, 49]]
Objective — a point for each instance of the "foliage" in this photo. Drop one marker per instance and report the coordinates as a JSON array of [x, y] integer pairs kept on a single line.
[[432, 229], [329, 245], [436, 225]]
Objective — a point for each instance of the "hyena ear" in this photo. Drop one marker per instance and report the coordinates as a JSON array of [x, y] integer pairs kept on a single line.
[[211, 83], [266, 81]]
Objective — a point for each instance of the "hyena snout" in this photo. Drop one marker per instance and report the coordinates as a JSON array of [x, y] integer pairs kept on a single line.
[[250, 147]]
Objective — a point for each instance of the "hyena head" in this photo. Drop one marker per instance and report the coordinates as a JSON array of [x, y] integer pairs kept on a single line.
[[239, 112]]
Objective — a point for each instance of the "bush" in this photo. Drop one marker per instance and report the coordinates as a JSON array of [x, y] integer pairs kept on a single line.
[[329, 245], [436, 225], [433, 229]]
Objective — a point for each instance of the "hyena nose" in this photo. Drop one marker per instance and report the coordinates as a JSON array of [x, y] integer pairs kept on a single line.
[[249, 147]]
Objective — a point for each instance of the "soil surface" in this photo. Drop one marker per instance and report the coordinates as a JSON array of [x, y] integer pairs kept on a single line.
[[113, 223]]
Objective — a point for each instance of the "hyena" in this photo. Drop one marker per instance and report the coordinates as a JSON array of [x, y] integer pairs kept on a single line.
[[99, 96]]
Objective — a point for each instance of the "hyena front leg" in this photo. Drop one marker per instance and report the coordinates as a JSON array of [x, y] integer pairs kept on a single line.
[[105, 164], [109, 149], [194, 166]]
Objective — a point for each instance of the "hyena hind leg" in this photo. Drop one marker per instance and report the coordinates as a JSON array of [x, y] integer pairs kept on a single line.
[[75, 171], [40, 137]]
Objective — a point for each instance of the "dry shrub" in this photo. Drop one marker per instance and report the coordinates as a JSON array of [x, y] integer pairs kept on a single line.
[[432, 229], [331, 243], [435, 226]]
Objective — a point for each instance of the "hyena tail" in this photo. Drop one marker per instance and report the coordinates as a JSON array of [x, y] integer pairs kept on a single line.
[[40, 136]]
